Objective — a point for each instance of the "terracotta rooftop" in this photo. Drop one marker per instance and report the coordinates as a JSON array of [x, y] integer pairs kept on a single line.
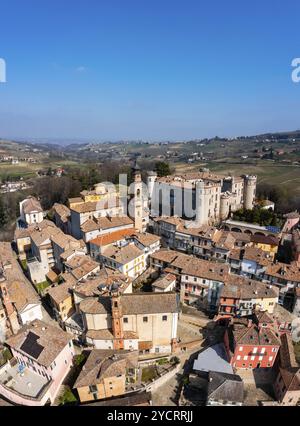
[[85, 267], [26, 232], [103, 364], [100, 283], [134, 303], [245, 335], [289, 272], [20, 290], [206, 269], [106, 222], [62, 211], [225, 387], [164, 281], [265, 239], [244, 288], [60, 292], [31, 205], [251, 253], [287, 353], [145, 238], [111, 237], [50, 339], [123, 254], [93, 206]]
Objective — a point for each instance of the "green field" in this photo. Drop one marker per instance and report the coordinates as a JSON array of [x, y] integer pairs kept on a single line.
[[285, 175]]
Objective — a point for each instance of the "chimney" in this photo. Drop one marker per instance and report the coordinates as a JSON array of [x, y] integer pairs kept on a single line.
[[249, 323]]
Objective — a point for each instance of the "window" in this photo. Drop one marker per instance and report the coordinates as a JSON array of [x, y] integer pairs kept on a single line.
[[164, 318], [245, 357], [270, 358], [125, 319], [240, 348], [274, 349], [238, 357], [145, 319]]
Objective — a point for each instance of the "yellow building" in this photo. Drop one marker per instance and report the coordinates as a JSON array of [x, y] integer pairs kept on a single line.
[[99, 192], [267, 243], [61, 300], [106, 374]]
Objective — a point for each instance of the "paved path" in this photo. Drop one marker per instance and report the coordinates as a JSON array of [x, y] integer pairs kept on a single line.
[[169, 392]]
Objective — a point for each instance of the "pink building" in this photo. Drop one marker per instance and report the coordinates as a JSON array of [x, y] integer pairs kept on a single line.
[[42, 357], [292, 219]]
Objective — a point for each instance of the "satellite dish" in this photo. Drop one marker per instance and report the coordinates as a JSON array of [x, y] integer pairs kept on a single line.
[[296, 330]]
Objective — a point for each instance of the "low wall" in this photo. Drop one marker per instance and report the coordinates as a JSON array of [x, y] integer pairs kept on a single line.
[[19, 399], [183, 346], [163, 379]]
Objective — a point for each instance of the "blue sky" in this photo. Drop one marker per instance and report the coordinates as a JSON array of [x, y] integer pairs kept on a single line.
[[154, 70]]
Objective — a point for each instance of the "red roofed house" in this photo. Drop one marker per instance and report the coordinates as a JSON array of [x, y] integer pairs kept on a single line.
[[251, 345]]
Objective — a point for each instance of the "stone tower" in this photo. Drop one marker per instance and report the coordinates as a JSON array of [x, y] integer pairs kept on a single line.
[[138, 199], [224, 205], [249, 191], [117, 320], [151, 178], [201, 204]]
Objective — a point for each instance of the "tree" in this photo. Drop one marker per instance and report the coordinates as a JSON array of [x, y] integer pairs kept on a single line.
[[3, 214], [162, 168]]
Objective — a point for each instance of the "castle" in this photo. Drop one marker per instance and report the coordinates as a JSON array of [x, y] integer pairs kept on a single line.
[[203, 196]]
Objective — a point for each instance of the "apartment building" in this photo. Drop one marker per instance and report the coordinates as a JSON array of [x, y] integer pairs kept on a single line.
[[42, 356], [106, 374], [61, 217], [128, 259], [202, 282], [165, 283], [49, 247], [206, 242], [94, 227], [267, 243], [287, 383], [19, 301], [296, 244], [65, 297], [241, 296], [251, 345], [102, 242], [91, 211]]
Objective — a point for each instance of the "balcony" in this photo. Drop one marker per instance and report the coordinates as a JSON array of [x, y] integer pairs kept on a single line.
[[24, 388]]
